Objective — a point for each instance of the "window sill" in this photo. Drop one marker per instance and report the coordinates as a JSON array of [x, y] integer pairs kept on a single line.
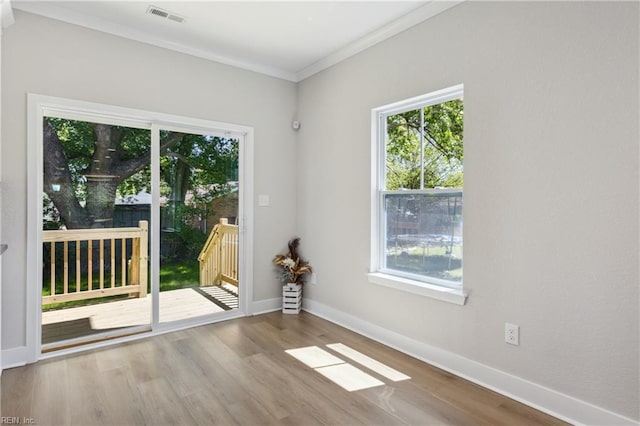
[[455, 296]]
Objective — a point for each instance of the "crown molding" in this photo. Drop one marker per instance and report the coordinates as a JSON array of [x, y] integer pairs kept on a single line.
[[50, 10], [429, 10], [6, 14]]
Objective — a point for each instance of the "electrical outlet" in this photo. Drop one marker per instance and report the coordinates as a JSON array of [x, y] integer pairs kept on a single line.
[[312, 278], [511, 334]]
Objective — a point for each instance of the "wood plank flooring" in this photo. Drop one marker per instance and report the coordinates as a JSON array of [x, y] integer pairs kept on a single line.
[[238, 373]]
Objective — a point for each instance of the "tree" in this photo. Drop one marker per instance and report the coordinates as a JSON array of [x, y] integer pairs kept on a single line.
[[443, 147], [87, 164], [200, 164]]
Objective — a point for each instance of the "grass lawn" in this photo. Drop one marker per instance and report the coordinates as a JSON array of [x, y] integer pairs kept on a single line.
[[432, 261], [184, 274]]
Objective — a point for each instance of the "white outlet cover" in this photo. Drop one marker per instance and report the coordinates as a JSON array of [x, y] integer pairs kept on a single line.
[[512, 334]]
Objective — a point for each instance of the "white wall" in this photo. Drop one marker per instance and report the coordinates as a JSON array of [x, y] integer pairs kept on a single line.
[[52, 58], [551, 172], [551, 189]]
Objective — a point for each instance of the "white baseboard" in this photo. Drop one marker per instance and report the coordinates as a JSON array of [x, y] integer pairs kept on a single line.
[[267, 305], [14, 357], [547, 400]]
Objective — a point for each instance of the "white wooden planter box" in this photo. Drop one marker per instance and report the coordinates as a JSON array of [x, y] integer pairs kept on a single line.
[[291, 299]]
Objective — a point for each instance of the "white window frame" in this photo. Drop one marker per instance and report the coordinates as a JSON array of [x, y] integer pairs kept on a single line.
[[415, 284], [40, 106]]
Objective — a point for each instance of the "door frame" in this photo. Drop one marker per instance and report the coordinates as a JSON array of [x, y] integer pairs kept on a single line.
[[38, 107]]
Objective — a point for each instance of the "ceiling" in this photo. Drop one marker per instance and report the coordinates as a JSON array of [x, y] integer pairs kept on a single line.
[[288, 39]]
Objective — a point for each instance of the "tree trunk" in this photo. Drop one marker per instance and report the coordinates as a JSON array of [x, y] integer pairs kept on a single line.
[[183, 172], [57, 181], [105, 172], [102, 182]]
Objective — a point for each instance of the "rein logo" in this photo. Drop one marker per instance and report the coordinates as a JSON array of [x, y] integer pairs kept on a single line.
[[6, 420]]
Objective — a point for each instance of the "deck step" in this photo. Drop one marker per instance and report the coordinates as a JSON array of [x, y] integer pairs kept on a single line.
[[224, 296]]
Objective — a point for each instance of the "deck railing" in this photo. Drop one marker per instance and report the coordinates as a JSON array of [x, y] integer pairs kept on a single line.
[[118, 253], [219, 256]]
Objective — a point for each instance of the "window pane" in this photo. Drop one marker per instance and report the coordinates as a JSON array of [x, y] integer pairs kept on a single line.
[[95, 275], [403, 143], [423, 234], [436, 131], [443, 144], [198, 225]]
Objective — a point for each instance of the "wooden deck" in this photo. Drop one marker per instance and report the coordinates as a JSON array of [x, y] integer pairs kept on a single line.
[[71, 323]]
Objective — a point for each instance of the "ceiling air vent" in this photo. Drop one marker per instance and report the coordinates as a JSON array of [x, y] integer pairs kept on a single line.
[[156, 11]]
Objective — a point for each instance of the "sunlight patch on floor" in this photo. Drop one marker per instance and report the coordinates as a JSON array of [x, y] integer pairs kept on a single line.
[[342, 373], [314, 357], [349, 377], [366, 361]]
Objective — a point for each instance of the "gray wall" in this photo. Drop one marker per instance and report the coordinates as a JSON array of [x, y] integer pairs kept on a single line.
[[551, 189], [551, 173], [52, 58]]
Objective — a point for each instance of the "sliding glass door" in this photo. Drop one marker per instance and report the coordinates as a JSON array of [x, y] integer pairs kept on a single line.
[[199, 209], [139, 228], [95, 221]]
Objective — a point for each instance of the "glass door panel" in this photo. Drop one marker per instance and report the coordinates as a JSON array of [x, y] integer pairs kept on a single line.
[[198, 225], [96, 215]]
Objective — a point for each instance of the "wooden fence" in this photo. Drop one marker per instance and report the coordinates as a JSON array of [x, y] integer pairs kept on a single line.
[[219, 256], [96, 263]]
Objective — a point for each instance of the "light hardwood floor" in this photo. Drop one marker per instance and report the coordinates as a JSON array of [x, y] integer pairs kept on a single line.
[[237, 372]]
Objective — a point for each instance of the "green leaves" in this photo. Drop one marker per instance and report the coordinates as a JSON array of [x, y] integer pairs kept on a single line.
[[442, 156], [96, 162]]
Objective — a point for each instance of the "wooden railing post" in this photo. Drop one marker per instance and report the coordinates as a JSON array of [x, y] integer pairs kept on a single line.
[[134, 262], [143, 259], [221, 254]]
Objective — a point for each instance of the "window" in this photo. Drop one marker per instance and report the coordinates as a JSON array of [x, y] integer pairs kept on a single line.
[[418, 197]]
